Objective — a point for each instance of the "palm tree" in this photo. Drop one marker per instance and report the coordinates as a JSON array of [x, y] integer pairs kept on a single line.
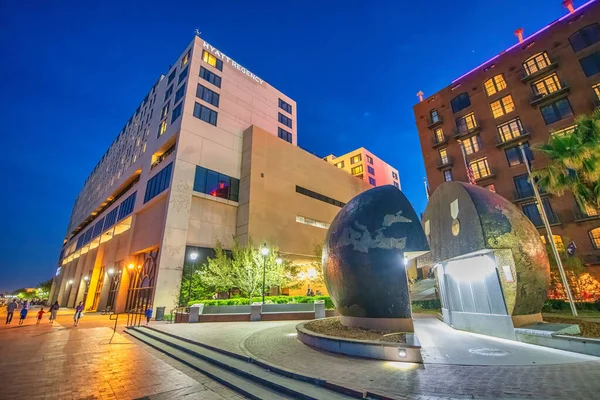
[[574, 162]]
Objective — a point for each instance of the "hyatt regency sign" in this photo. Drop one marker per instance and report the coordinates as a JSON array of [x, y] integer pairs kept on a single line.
[[235, 65]]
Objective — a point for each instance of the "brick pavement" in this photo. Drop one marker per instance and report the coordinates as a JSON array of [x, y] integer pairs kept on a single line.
[[61, 362]]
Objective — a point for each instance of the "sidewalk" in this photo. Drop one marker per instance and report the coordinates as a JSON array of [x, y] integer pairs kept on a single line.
[[58, 361]]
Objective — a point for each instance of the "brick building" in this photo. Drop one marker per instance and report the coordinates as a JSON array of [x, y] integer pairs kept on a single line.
[[532, 90]]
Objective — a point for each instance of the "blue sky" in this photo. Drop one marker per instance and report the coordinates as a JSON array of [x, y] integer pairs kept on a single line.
[[74, 71]]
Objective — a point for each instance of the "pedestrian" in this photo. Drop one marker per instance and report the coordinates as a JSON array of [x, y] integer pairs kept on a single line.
[[23, 315], [53, 310], [10, 309], [78, 313], [40, 315], [148, 314]]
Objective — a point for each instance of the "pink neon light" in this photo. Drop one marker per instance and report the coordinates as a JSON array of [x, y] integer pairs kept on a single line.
[[530, 37]]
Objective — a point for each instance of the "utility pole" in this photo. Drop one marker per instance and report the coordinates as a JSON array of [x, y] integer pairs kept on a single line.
[[542, 210]]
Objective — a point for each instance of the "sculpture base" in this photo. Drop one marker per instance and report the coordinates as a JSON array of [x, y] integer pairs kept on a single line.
[[380, 324]]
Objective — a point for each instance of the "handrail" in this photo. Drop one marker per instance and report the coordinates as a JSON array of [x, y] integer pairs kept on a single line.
[[172, 317], [116, 322]]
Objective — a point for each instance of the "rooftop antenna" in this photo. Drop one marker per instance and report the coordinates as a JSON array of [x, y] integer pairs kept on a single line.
[[197, 32]]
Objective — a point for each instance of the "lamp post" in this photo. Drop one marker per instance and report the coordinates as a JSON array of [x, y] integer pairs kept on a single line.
[[264, 251], [193, 257]]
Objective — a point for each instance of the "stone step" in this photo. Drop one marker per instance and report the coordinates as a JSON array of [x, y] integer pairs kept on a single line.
[[243, 368]]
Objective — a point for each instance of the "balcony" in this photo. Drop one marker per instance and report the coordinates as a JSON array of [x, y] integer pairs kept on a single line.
[[461, 133], [448, 162], [432, 123], [580, 215], [435, 143], [540, 99], [539, 73], [162, 157], [501, 143], [491, 175], [526, 194]]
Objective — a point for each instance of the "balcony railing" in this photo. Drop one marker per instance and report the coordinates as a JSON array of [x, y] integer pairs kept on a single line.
[[584, 215], [443, 163], [527, 193], [503, 141], [437, 142], [539, 99], [540, 72], [433, 122], [463, 131], [162, 157], [552, 219]]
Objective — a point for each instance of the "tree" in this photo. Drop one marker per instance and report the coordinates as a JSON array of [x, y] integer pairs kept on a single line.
[[574, 162], [44, 289]]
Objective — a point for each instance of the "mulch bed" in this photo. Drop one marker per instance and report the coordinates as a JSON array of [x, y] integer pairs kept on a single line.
[[333, 327], [588, 328]]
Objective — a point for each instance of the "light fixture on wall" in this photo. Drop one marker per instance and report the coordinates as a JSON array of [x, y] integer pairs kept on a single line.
[[86, 278], [111, 271]]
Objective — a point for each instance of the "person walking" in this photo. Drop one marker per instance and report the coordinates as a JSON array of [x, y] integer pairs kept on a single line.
[[78, 313], [53, 310], [10, 309], [23, 314], [148, 314], [40, 314]]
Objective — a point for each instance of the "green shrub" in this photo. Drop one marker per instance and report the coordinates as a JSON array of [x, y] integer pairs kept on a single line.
[[551, 306], [433, 304]]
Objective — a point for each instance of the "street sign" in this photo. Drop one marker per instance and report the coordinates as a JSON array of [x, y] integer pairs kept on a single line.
[[571, 248]]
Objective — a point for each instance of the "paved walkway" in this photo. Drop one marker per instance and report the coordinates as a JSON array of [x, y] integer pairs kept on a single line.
[[58, 361], [457, 366]]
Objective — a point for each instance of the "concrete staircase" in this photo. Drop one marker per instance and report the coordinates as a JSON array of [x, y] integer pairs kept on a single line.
[[242, 374]]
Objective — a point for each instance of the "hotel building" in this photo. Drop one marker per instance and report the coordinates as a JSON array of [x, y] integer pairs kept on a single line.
[[528, 92], [364, 165], [209, 155]]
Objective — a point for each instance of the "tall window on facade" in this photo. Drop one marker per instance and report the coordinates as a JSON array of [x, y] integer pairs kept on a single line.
[[590, 64], [165, 110], [510, 130], [355, 159], [285, 106], [172, 76], [556, 111], [186, 58], [480, 168], [212, 60], [210, 77], [357, 170], [439, 135], [522, 186], [158, 183], [183, 75], [369, 159], [465, 123], [585, 37], [285, 135], [595, 237], [207, 95], [340, 164], [447, 175], [502, 106], [435, 117], [588, 210], [285, 120], [515, 157], [443, 156], [396, 185], [168, 92], [596, 89], [394, 175], [177, 111], [472, 144], [372, 181], [179, 94], [545, 86], [533, 212], [205, 114], [215, 184], [162, 127], [536, 63], [460, 102], [370, 170], [494, 84]]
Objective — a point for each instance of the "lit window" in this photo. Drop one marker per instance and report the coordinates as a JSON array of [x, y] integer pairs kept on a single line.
[[472, 144], [545, 86], [595, 237], [495, 84], [514, 156], [357, 170], [370, 170], [186, 58], [556, 111], [443, 156], [183, 75], [162, 128], [536, 63], [590, 64], [212, 60], [355, 159], [466, 123], [510, 130], [565, 131], [491, 188], [372, 181], [312, 222], [502, 106], [215, 184], [369, 159], [439, 135], [480, 168], [589, 211], [596, 89], [557, 239], [447, 175], [340, 164], [585, 37], [460, 102], [165, 111]]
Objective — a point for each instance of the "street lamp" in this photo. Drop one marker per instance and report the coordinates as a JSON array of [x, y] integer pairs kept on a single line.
[[193, 257], [70, 282], [264, 251]]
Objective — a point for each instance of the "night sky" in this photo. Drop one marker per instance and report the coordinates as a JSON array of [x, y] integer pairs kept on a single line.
[[73, 72]]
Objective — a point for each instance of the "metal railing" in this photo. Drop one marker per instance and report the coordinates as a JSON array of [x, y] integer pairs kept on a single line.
[[162, 157]]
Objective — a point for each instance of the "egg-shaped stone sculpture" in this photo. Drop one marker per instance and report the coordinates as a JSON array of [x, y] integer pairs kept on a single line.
[[364, 259]]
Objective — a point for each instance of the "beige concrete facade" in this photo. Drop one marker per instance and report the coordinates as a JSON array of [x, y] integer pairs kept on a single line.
[[364, 165]]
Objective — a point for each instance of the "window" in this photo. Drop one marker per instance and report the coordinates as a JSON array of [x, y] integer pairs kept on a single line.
[[340, 164], [558, 242], [460, 102], [502, 106], [210, 77], [370, 170], [179, 94], [435, 117], [533, 212], [472, 144], [480, 168], [545, 86], [596, 89], [585, 37], [168, 92], [443, 156], [212, 60], [515, 157], [397, 185], [285, 106], [177, 112], [369, 159], [439, 135], [448, 175], [158, 183], [126, 207], [111, 218], [172, 76], [591, 64], [319, 196], [285, 120], [165, 111], [491, 188], [205, 114], [466, 123], [510, 130], [595, 237], [494, 85], [372, 181], [207, 95], [565, 131], [312, 222], [215, 184], [588, 210], [357, 170], [285, 135], [183, 75], [186, 58], [355, 159], [523, 186], [556, 111], [394, 175], [536, 63], [162, 128]]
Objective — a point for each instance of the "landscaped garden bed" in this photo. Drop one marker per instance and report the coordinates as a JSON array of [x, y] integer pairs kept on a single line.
[[333, 327]]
